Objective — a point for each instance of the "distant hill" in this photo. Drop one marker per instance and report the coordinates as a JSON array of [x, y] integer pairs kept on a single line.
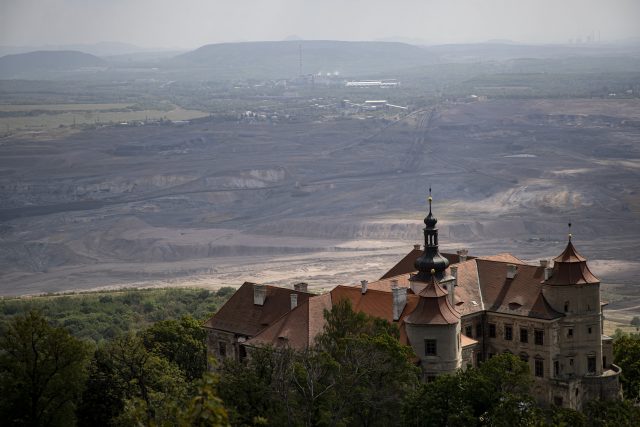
[[25, 65], [281, 58]]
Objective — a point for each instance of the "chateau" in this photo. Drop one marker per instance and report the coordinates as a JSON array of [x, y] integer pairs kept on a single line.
[[455, 311]]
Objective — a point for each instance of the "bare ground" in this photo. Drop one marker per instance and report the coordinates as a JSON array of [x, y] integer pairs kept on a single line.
[[327, 202]]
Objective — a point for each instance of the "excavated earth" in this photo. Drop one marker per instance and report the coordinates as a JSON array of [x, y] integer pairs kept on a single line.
[[330, 201]]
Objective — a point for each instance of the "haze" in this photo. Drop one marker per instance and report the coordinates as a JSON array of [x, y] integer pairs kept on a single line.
[[191, 23]]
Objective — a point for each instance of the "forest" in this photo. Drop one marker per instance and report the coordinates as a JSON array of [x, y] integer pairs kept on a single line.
[[153, 371]]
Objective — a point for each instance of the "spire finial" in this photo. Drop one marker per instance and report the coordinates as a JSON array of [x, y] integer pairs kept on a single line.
[[570, 235], [430, 199]]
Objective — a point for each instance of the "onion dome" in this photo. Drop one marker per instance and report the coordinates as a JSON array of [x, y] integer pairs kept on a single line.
[[430, 260], [570, 268], [434, 307]]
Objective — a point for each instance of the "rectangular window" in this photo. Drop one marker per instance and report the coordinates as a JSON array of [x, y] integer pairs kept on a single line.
[[468, 331], [222, 348], [492, 330], [591, 364], [539, 336], [479, 330], [508, 332], [570, 333], [556, 368], [539, 368], [430, 348], [524, 335], [589, 329]]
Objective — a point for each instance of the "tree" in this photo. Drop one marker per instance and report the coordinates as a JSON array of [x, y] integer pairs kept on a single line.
[[626, 354], [180, 342], [154, 389], [206, 408], [373, 370], [104, 394], [496, 393], [612, 413], [250, 389], [42, 372], [636, 322]]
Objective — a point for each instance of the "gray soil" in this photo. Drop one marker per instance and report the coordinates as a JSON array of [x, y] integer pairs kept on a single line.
[[329, 202]]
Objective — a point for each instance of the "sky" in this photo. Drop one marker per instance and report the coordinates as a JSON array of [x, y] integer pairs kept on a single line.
[[193, 23]]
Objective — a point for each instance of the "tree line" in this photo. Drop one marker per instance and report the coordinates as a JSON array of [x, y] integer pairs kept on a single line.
[[357, 373]]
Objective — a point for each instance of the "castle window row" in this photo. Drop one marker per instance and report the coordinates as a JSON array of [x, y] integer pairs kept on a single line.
[[538, 334]]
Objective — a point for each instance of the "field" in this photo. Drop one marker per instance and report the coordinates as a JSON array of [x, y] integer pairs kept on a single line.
[[17, 118]]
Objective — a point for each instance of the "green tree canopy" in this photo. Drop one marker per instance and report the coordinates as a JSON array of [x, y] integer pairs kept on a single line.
[[496, 393], [42, 372], [181, 342], [626, 354]]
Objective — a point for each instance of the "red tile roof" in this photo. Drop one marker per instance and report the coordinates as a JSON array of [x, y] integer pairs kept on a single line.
[[299, 327], [375, 303], [241, 316], [433, 308], [570, 268], [405, 265], [521, 295], [569, 255]]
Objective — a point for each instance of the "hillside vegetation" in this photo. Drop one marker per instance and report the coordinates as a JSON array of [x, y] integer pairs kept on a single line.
[[104, 315]]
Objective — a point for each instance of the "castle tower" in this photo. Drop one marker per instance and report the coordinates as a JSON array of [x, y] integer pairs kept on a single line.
[[572, 289], [433, 329], [430, 264]]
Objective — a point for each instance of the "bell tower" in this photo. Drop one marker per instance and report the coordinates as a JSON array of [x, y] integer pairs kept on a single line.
[[430, 264]]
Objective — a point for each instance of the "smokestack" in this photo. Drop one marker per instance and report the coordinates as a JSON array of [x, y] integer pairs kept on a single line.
[[462, 254], [364, 284], [259, 294], [294, 300], [399, 301], [511, 271], [301, 287], [454, 283]]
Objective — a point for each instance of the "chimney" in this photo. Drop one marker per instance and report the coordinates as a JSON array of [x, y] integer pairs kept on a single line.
[[301, 287], [548, 272], [364, 284], [417, 247], [511, 271], [544, 263], [294, 300], [399, 301], [454, 283], [259, 294], [462, 254], [394, 283]]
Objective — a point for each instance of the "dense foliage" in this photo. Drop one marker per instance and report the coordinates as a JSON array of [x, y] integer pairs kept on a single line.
[[42, 371], [106, 315], [626, 354], [355, 373]]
